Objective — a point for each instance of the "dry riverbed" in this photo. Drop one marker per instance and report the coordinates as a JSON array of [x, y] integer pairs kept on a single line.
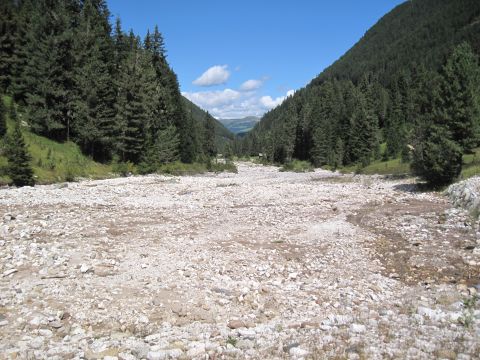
[[259, 264]]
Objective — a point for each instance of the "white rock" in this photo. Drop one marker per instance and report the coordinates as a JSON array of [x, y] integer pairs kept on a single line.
[[143, 319], [357, 328], [298, 352], [9, 272], [45, 332]]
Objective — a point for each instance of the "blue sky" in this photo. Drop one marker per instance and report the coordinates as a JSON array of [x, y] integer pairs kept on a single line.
[[239, 58]]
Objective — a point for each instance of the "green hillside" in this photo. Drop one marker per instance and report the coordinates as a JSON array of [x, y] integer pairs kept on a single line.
[[239, 126], [415, 32], [222, 134], [54, 162], [64, 161], [409, 88]]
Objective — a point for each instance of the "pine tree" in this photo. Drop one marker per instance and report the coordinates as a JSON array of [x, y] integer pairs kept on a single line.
[[209, 147], [95, 128], [459, 103], [3, 117], [436, 157], [131, 110], [320, 149], [362, 133], [18, 168], [47, 75], [8, 29]]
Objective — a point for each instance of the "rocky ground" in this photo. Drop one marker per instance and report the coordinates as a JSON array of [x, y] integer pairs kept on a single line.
[[259, 264]]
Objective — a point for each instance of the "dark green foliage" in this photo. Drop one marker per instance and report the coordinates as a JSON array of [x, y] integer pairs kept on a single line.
[[3, 118], [46, 76], [389, 89], [449, 124], [8, 30], [18, 168], [112, 94], [459, 101], [437, 159], [420, 31], [163, 151], [209, 147]]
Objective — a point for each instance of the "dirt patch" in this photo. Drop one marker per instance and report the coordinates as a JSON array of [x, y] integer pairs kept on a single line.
[[418, 241]]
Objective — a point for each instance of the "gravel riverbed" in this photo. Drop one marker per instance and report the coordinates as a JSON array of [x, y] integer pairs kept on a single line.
[[256, 265]]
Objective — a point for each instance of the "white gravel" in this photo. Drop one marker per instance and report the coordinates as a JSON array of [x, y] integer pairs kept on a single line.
[[259, 264]]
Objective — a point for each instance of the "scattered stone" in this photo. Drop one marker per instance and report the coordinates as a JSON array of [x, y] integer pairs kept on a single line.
[[262, 270], [84, 268], [298, 352], [357, 328], [9, 272], [235, 324]]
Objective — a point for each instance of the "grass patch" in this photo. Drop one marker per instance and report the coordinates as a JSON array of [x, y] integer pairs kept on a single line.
[[297, 166], [218, 167], [471, 164], [53, 161], [390, 167]]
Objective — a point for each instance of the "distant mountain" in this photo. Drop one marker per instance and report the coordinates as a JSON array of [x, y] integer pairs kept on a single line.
[[238, 126]]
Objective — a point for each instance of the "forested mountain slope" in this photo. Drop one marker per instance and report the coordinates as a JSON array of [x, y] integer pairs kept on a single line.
[[200, 116], [415, 32], [76, 77], [416, 68]]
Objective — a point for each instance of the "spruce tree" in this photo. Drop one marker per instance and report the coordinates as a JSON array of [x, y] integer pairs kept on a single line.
[[131, 111], [18, 168], [94, 113], [8, 29], [3, 117], [47, 75], [436, 157], [459, 103], [209, 147]]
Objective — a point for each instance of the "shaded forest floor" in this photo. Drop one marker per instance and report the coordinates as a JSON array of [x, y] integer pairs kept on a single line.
[[259, 264]]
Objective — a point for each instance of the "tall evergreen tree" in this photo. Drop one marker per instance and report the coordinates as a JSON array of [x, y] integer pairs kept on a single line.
[[95, 127], [209, 147], [459, 103], [8, 29], [47, 75], [437, 158], [131, 110], [3, 117], [18, 168]]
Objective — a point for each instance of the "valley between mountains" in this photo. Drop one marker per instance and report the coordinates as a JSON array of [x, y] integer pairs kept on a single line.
[[259, 264]]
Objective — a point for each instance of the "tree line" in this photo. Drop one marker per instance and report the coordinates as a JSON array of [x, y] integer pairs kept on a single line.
[[409, 89], [75, 77]]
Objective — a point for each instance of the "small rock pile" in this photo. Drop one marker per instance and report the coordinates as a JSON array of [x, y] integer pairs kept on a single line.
[[466, 194]]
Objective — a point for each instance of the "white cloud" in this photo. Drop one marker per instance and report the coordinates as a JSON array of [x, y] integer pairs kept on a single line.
[[229, 104], [216, 75], [251, 85], [208, 99], [270, 103]]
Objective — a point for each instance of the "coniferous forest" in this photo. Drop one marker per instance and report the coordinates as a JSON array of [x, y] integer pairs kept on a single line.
[[409, 89], [76, 77]]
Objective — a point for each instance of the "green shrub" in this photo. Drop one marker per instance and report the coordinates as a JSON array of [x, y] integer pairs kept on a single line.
[[437, 159]]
